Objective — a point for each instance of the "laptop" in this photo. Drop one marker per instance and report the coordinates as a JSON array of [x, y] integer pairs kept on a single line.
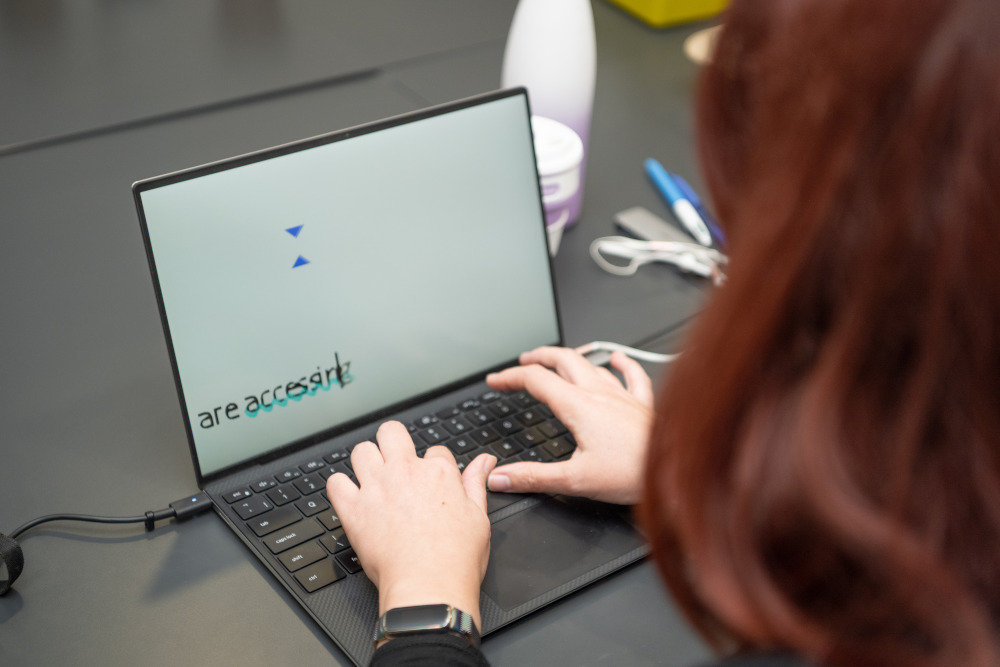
[[311, 291]]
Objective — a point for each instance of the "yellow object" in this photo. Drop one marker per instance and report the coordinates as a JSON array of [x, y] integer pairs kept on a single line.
[[659, 13]]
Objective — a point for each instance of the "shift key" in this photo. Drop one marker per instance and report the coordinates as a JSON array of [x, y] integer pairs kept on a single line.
[[272, 521], [293, 535]]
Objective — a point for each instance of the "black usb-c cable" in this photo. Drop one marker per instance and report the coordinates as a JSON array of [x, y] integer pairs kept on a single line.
[[12, 558]]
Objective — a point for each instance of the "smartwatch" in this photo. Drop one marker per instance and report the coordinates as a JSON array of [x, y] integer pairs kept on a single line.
[[429, 618]]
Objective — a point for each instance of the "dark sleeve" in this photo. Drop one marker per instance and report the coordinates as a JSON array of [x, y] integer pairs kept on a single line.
[[432, 650], [760, 660]]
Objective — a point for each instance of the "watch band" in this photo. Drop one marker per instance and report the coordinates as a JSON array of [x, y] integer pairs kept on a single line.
[[431, 618]]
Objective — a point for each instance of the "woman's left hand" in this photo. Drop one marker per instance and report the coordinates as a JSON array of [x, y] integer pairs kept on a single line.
[[418, 525]]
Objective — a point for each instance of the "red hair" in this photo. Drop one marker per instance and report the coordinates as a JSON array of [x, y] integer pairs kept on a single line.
[[824, 473]]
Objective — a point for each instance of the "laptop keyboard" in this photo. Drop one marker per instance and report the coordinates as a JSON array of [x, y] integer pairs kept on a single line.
[[293, 519]]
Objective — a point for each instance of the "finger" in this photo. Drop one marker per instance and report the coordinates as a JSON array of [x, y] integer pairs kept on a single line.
[[394, 441], [540, 382], [440, 452], [568, 363], [342, 492], [474, 478], [637, 382], [610, 378], [365, 459], [532, 477]]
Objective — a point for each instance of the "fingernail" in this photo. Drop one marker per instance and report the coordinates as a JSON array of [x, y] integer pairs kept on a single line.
[[491, 463], [498, 483]]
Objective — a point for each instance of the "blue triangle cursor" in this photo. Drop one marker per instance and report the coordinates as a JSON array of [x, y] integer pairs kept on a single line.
[[301, 261], [294, 231]]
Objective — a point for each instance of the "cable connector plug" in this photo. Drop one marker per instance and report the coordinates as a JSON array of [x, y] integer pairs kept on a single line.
[[191, 506]]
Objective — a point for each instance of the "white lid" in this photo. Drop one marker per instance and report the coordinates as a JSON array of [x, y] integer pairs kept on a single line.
[[557, 147]]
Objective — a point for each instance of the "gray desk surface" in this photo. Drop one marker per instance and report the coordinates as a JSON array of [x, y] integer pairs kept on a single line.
[[91, 421]]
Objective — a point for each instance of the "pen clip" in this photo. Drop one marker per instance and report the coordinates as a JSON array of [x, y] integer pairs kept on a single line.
[[682, 208], [713, 227]]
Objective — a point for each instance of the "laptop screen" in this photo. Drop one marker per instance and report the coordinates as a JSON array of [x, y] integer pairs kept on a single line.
[[305, 287]]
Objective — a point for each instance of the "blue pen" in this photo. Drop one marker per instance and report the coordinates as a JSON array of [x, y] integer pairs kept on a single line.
[[692, 196], [683, 209]]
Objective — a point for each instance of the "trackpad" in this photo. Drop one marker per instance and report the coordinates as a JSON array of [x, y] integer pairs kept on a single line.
[[552, 543]]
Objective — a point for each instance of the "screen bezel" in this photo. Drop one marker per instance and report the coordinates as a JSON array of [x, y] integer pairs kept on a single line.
[[144, 185]]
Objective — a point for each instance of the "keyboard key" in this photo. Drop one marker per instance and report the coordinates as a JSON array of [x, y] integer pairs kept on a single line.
[[490, 396], [432, 435], [310, 484], [288, 475], [349, 561], [252, 507], [237, 494], [329, 471], [523, 399], [272, 521], [283, 494], [335, 541], [507, 426], [338, 455], [484, 435], [302, 555], [426, 421], [469, 404], [502, 409], [314, 465], [530, 417], [330, 520], [530, 437], [552, 428], [262, 485], [536, 454], [505, 448], [320, 574], [479, 417], [558, 447], [456, 426], [460, 446], [293, 536], [314, 505]]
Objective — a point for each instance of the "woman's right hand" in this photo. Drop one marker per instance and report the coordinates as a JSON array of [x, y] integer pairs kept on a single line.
[[611, 424]]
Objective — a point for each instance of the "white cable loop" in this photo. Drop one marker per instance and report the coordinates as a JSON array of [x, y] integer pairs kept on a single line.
[[642, 355], [689, 257]]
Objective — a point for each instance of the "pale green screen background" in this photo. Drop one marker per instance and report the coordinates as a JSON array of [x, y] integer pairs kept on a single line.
[[426, 263]]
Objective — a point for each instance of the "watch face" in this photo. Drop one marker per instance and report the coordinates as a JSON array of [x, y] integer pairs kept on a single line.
[[412, 619]]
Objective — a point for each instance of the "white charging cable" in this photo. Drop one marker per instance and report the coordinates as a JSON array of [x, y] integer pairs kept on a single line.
[[690, 257], [588, 349]]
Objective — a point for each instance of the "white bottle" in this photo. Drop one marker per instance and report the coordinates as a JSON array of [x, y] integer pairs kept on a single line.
[[551, 51]]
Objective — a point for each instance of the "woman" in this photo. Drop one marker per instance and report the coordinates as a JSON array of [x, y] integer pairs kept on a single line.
[[823, 467]]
